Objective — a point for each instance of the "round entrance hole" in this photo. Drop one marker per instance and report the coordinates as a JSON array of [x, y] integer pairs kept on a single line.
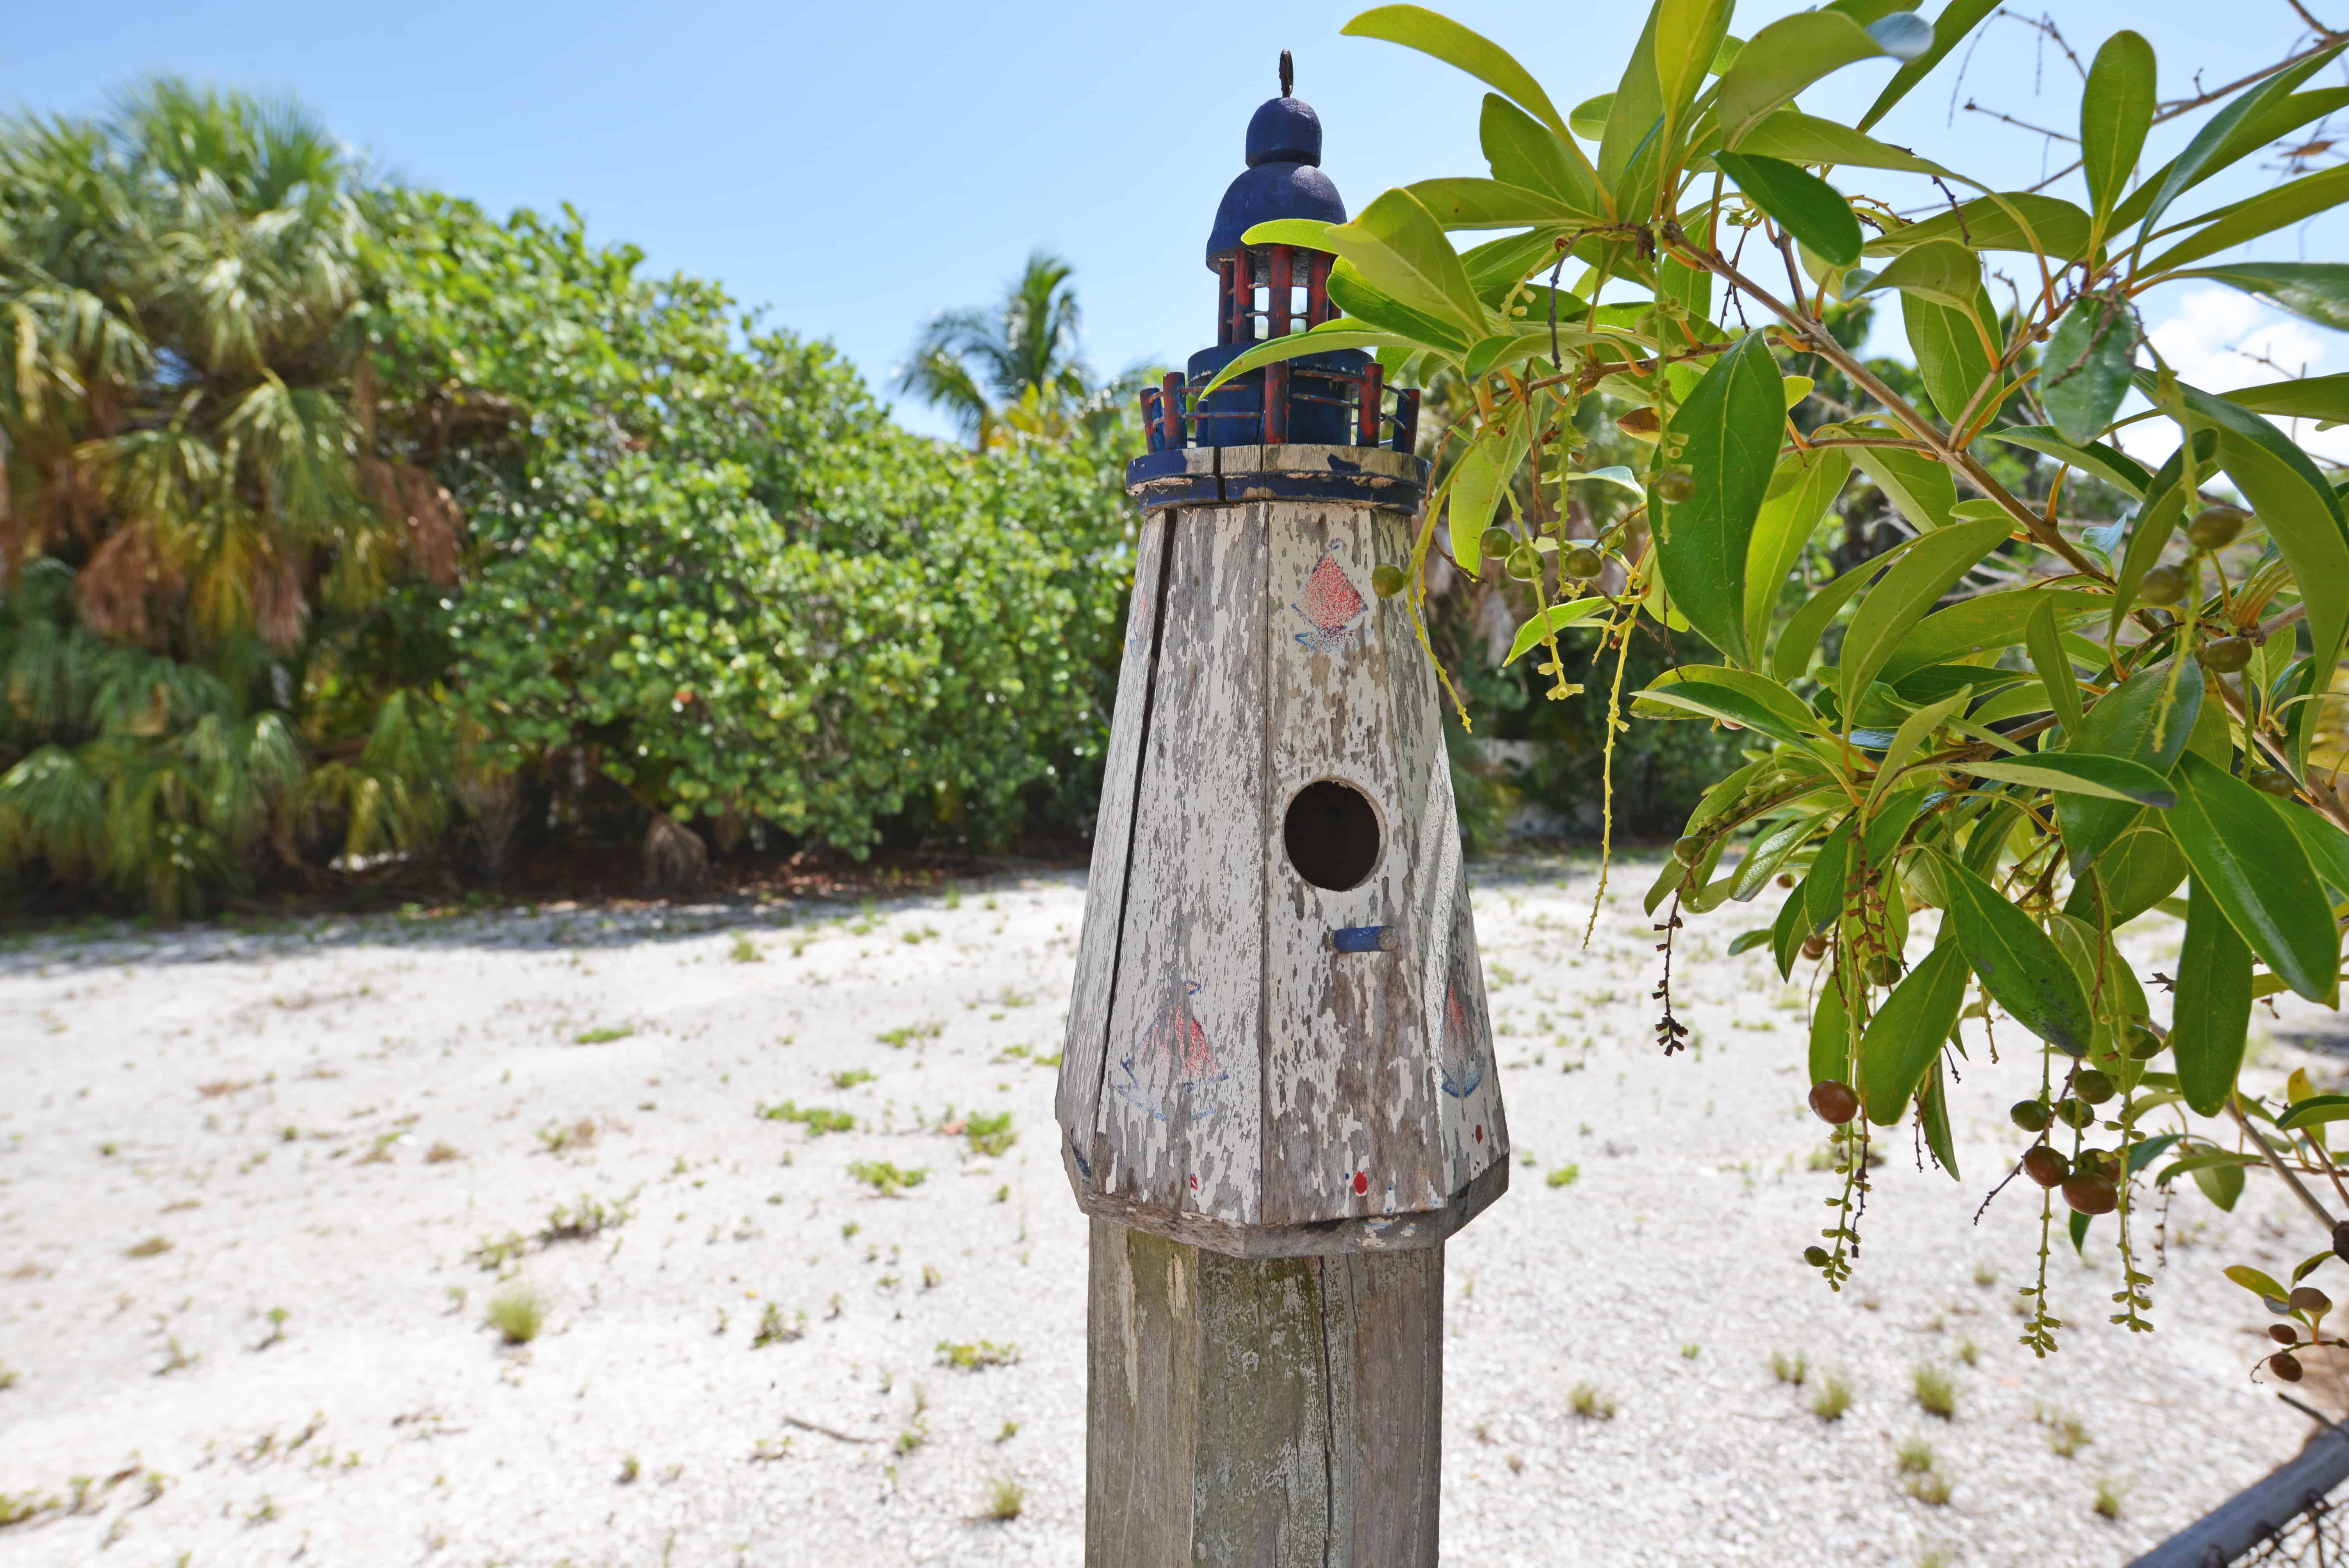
[[1331, 835]]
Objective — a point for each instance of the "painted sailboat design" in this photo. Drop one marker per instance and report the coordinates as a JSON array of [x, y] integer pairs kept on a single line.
[[1332, 606]]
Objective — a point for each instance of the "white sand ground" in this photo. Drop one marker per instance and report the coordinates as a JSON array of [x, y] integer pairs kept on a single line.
[[267, 1105]]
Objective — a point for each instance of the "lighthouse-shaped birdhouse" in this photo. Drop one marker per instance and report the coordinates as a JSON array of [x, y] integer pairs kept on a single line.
[[1277, 1042]]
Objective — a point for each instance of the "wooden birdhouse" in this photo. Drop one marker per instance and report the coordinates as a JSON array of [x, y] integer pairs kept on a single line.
[[1278, 1044]]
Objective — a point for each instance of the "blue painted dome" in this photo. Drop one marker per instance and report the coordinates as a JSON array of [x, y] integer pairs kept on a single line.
[[1283, 179]]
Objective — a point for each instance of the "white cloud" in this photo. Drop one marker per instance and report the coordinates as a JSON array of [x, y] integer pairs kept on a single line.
[[2216, 339]]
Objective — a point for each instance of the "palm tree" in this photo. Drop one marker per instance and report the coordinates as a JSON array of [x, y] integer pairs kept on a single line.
[[1015, 369], [188, 483]]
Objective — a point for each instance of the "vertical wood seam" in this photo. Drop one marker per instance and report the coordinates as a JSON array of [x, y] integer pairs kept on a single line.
[[1133, 810], [1264, 1075], [1330, 1415]]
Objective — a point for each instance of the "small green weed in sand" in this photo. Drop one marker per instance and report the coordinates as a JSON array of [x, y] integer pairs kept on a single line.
[[776, 1329], [1914, 1456], [743, 950], [1566, 1176], [817, 1119], [2108, 1498], [990, 1135], [603, 1035], [886, 1179], [911, 1034], [1591, 1402], [1789, 1368], [850, 1077], [1832, 1397], [1937, 1395], [976, 1357], [1005, 1498], [517, 1315]]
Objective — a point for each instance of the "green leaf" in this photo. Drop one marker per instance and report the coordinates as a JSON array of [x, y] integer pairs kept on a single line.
[[2145, 719], [2202, 155], [1985, 622], [2077, 1226], [2257, 1284], [1805, 205], [1933, 1112], [2148, 537], [1905, 1036], [2303, 518], [1415, 28], [1477, 483], [1747, 940], [2045, 646], [1905, 742], [1824, 888], [1469, 203], [1788, 931], [2104, 778], [1369, 306], [1942, 270], [2325, 397], [2211, 1014], [1932, 566], [1524, 152], [2085, 372], [2315, 1108], [2255, 870], [2115, 111], [2140, 869], [1732, 423], [2315, 291], [1635, 113], [1766, 854], [1343, 333], [2215, 1159], [1588, 118], [2018, 963], [1557, 618], [1708, 690], [1830, 1042], [1957, 19], [1952, 359], [2292, 202], [1799, 138], [1919, 486], [1805, 485], [1397, 246], [1689, 34], [1781, 60], [2110, 464], [2279, 113], [2006, 221], [1809, 623], [2327, 846]]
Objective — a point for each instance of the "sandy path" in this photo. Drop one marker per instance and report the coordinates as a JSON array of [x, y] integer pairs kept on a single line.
[[268, 1105]]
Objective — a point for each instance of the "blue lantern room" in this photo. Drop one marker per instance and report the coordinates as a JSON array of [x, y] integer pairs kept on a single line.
[[1335, 398]]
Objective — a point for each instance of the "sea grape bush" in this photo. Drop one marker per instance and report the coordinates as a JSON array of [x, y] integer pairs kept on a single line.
[[2039, 729]]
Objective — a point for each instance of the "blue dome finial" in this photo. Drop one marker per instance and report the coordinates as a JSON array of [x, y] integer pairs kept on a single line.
[[1283, 178]]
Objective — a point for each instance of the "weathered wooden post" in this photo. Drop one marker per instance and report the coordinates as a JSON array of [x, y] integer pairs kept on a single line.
[[1277, 1097]]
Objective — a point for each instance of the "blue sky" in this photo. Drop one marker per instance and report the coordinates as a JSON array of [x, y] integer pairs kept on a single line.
[[857, 168]]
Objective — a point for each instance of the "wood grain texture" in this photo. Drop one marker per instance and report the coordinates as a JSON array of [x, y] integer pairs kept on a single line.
[[1077, 1095], [1180, 1106], [1349, 1095], [1284, 1413]]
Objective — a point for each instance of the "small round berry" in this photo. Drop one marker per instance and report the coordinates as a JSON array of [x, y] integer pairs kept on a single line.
[[2282, 1334], [2215, 527], [1688, 851], [1497, 542], [1387, 580], [1816, 1256], [2341, 1241], [1676, 486], [2097, 1165], [2144, 1045], [2093, 1086], [1525, 563], [2162, 585], [2285, 1365], [1581, 564], [2273, 781], [2224, 655], [1817, 947], [1834, 1102], [1883, 969], [2310, 1299], [2075, 1113], [2092, 1195], [2031, 1115], [1786, 878], [2045, 1166]]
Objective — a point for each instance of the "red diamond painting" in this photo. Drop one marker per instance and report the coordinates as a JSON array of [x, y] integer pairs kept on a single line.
[[1332, 606], [1171, 1073]]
